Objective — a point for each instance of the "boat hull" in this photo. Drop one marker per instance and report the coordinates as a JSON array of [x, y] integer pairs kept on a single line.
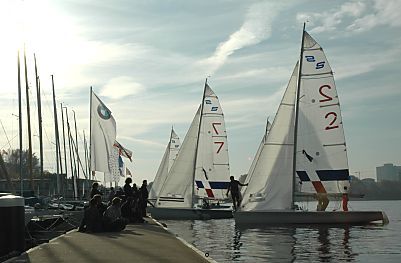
[[189, 213], [306, 217]]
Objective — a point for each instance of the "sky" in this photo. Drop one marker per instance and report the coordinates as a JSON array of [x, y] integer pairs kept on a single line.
[[148, 60]]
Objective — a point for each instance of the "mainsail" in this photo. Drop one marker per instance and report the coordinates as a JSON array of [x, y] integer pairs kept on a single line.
[[321, 158], [270, 176], [177, 188], [102, 137], [170, 154], [212, 167]]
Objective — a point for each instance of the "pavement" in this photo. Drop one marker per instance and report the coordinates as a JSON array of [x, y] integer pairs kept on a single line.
[[147, 242]]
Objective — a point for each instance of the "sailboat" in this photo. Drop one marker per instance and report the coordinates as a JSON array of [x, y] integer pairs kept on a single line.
[[304, 151], [201, 170], [170, 154]]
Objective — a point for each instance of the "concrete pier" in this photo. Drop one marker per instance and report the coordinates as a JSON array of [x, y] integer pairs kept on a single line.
[[148, 242]]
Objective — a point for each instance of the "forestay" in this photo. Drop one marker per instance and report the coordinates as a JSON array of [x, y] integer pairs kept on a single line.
[[321, 159], [170, 154], [178, 186], [212, 164], [270, 177]]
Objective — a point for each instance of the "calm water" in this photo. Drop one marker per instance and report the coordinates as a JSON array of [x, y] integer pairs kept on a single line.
[[225, 242]]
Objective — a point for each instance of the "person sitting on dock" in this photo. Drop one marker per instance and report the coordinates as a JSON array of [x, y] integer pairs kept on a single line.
[[112, 219], [95, 190], [100, 206], [92, 220], [112, 194], [233, 186]]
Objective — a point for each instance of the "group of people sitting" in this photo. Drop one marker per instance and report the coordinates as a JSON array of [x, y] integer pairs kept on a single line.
[[124, 206]]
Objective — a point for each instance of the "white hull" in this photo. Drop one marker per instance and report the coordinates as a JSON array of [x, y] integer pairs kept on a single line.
[[306, 217], [189, 213]]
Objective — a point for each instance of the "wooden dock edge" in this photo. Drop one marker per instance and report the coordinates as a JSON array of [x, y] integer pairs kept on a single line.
[[13, 259], [204, 255]]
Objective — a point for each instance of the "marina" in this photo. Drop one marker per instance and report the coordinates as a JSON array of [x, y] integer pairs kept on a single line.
[[239, 131]]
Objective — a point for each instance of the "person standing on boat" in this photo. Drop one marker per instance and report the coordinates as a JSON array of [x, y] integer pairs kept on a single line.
[[95, 190], [345, 199], [233, 186]]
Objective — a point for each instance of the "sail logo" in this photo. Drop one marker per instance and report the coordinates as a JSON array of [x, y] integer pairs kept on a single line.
[[214, 108], [310, 58], [208, 101], [319, 65], [103, 112]]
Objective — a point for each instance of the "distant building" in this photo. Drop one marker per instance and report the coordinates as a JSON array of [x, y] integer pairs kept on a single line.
[[388, 172]]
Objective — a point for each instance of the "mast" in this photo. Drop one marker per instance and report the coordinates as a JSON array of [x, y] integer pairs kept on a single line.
[[294, 161], [20, 127], [65, 153], [197, 142], [56, 137], [69, 147], [29, 124], [90, 135], [76, 143], [39, 117]]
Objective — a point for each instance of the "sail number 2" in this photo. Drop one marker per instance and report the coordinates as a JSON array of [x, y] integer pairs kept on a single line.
[[331, 116]]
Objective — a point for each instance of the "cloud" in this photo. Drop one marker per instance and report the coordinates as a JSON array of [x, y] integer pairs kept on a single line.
[[357, 16], [255, 29], [386, 12], [329, 20], [121, 87]]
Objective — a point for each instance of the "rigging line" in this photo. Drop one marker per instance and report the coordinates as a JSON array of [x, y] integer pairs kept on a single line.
[[8, 140]]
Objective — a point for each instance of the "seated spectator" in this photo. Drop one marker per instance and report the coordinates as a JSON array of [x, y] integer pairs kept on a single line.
[[92, 220], [100, 206], [112, 216]]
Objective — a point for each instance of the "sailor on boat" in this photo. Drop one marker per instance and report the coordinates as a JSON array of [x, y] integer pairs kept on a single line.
[[235, 194]]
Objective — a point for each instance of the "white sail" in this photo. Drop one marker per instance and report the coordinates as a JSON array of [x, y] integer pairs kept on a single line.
[[169, 156], [174, 148], [102, 137], [178, 186], [270, 178], [321, 159], [212, 165]]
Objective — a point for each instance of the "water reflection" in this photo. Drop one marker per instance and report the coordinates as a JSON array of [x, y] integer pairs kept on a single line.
[[226, 242]]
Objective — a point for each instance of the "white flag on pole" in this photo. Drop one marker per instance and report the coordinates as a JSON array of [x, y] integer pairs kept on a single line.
[[103, 135]]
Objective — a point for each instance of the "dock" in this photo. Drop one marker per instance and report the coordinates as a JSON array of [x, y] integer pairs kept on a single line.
[[147, 242]]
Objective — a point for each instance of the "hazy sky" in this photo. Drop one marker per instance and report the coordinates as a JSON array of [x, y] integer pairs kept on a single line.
[[147, 61]]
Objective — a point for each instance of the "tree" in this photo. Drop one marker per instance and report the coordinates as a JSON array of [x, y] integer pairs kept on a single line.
[[12, 164]]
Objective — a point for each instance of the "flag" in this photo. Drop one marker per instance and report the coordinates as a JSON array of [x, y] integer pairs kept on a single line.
[[121, 165], [127, 172], [103, 135], [123, 151]]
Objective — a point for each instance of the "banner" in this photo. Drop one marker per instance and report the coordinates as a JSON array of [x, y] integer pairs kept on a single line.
[[102, 137]]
